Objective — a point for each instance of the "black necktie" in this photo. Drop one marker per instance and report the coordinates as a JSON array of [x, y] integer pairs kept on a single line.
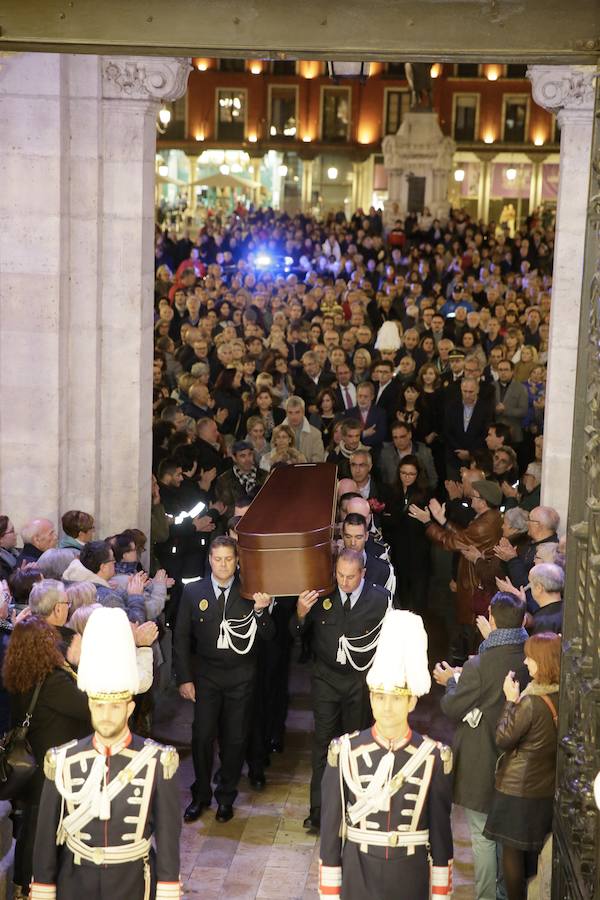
[[222, 601], [347, 604]]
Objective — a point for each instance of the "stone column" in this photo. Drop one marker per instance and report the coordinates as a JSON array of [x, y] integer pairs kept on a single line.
[[307, 181], [485, 178], [567, 91], [78, 145], [132, 91]]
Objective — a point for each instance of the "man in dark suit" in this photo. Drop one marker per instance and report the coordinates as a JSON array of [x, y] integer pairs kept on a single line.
[[388, 388], [218, 674], [474, 700], [345, 392], [296, 347], [354, 536], [466, 424], [311, 380], [372, 418], [341, 624], [473, 369]]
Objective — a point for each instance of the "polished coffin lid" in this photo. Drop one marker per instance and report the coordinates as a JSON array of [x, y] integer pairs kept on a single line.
[[295, 508]]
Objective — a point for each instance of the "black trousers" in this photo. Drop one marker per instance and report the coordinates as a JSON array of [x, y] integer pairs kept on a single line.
[[340, 705], [222, 712], [271, 699]]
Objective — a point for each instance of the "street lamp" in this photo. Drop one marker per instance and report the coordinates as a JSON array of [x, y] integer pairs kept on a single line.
[[164, 117]]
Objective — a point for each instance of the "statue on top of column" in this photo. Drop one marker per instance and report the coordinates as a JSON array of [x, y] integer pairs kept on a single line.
[[418, 76]]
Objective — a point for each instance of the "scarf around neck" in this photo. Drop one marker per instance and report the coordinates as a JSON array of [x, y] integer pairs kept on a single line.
[[246, 479], [501, 637]]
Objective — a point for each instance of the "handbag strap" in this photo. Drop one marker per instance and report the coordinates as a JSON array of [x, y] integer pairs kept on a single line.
[[551, 707], [32, 703]]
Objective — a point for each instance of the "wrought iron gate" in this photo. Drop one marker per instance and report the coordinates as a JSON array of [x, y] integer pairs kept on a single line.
[[576, 863]]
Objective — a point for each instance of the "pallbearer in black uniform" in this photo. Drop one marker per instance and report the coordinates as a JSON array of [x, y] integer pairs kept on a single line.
[[344, 628], [387, 792], [219, 673], [109, 820]]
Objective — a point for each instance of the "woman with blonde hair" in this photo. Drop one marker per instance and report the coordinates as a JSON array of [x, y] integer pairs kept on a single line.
[[528, 362], [80, 594], [362, 366], [282, 442]]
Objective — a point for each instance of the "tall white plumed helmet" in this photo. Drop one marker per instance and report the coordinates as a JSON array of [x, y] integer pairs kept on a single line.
[[388, 337], [400, 665], [108, 668]]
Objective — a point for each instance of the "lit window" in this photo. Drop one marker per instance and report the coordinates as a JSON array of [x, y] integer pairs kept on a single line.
[[515, 119], [465, 117], [397, 104], [336, 114], [231, 115], [283, 121]]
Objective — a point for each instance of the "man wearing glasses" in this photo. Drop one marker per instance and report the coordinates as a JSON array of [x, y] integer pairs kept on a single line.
[[542, 528]]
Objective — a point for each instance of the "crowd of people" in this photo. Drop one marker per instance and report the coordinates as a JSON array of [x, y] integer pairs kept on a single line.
[[414, 358]]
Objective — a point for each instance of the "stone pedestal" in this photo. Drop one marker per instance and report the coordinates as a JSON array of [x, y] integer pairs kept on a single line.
[[419, 149], [77, 268], [567, 91]]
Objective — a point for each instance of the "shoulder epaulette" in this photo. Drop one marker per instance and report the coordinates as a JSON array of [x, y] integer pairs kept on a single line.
[[50, 764], [446, 757], [334, 751], [169, 757], [50, 759]]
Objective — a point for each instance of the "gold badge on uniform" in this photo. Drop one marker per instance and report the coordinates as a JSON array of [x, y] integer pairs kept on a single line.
[[203, 605], [327, 604]]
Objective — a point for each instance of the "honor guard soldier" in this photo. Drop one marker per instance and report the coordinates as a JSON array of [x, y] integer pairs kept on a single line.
[[344, 628], [387, 792], [219, 673], [109, 819]]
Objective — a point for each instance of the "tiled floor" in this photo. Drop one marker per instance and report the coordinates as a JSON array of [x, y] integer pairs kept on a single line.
[[264, 852]]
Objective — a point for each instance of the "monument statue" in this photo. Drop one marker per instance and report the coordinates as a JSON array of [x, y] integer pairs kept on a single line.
[[418, 76]]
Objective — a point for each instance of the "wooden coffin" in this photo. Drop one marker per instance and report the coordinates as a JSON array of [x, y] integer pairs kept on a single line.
[[285, 536]]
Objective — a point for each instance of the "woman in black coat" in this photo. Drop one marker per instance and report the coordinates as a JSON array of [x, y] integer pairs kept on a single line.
[[406, 536], [228, 395], [61, 714]]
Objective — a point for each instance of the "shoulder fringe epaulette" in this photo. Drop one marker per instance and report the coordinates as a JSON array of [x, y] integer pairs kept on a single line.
[[446, 757], [335, 747], [169, 758], [50, 759]]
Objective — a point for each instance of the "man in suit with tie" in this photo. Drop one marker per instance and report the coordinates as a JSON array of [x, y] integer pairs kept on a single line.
[[344, 628], [218, 674], [345, 393], [373, 419], [466, 423]]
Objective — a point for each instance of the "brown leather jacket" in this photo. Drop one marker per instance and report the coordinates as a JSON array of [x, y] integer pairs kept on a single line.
[[527, 734], [484, 532]]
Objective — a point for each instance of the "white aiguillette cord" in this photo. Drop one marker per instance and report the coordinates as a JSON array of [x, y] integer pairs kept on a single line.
[[382, 785], [347, 646], [233, 628]]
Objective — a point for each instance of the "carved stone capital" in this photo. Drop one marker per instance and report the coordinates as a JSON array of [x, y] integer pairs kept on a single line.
[[154, 79], [566, 91]]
